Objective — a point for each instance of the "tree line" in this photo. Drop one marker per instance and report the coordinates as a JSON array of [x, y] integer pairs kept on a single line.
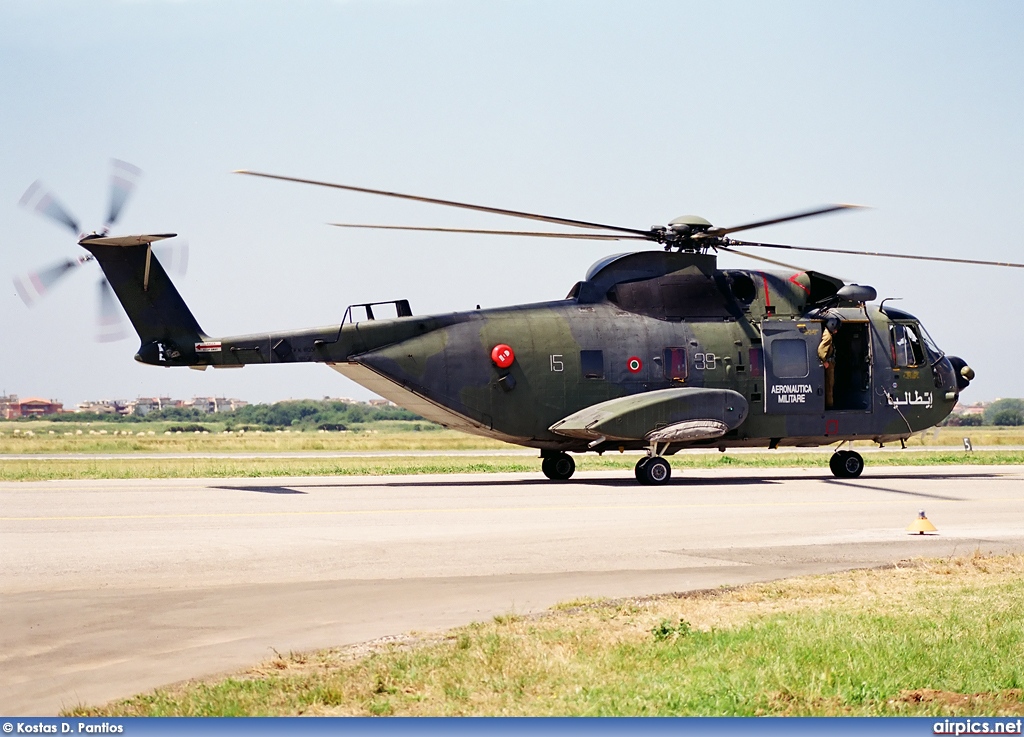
[[335, 415], [309, 413], [1002, 413]]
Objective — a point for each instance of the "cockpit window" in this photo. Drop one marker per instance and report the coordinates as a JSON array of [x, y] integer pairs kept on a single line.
[[929, 342], [906, 345]]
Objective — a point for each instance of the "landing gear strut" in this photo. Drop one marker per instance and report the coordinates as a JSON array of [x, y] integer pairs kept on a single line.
[[653, 471], [846, 464], [558, 467]]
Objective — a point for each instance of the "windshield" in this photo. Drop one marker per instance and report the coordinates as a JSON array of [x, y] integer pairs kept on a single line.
[[911, 345], [906, 346], [929, 343]]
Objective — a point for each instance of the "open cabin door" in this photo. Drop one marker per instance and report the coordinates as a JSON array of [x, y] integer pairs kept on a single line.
[[794, 380]]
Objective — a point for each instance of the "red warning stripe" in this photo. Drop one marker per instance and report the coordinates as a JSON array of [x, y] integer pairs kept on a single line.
[[794, 281], [767, 294]]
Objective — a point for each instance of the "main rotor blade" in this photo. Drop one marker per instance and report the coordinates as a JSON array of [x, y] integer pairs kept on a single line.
[[784, 219], [109, 323], [32, 286], [38, 198], [535, 234], [799, 269], [123, 179], [912, 257], [451, 203]]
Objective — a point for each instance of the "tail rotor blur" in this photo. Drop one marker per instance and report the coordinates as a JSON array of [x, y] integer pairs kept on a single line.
[[124, 177], [31, 287], [38, 198], [110, 319], [173, 256], [34, 285]]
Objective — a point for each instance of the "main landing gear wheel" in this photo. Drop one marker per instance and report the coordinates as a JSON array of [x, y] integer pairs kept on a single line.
[[558, 467], [846, 464], [639, 469], [653, 471]]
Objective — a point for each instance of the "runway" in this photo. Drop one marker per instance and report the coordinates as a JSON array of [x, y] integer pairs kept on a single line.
[[109, 588]]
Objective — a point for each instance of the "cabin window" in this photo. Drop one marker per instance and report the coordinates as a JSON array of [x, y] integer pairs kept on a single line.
[[592, 364], [907, 350], [756, 365], [789, 359], [675, 364]]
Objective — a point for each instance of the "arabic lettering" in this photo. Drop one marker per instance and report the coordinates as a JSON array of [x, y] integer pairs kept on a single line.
[[918, 399]]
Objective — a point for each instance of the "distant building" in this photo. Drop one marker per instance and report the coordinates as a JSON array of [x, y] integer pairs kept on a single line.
[[210, 405], [105, 407], [978, 408], [381, 403], [6, 400], [144, 405], [202, 404], [31, 407]]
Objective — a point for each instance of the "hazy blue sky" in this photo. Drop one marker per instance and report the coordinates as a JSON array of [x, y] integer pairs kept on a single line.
[[624, 112]]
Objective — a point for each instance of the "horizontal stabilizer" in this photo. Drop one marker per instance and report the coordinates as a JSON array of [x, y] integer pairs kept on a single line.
[[681, 414], [123, 240]]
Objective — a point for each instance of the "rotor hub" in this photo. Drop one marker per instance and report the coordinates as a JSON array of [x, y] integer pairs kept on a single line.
[[685, 233]]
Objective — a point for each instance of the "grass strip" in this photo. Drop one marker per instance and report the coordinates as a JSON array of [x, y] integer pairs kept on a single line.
[[939, 637], [130, 468], [35, 437], [219, 442]]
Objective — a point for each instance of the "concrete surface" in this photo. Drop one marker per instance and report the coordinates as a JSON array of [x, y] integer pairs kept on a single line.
[[109, 588]]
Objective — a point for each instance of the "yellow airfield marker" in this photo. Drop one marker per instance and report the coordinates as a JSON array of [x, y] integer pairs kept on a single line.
[[921, 525]]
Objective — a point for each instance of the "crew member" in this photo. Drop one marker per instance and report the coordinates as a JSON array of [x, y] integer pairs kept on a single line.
[[827, 356]]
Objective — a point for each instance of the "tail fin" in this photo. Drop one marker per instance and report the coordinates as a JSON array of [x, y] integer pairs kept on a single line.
[[156, 310]]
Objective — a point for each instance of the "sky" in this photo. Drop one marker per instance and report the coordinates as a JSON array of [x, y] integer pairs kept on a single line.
[[630, 113]]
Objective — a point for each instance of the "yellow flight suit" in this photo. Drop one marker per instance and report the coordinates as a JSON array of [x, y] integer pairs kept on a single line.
[[827, 356]]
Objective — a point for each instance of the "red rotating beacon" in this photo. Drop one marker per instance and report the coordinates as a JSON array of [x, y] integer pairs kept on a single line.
[[502, 356]]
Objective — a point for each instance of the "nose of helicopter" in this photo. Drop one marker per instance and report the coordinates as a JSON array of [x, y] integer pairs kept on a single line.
[[964, 373]]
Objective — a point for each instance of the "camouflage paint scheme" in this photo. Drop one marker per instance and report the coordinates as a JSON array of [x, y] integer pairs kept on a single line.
[[634, 306]]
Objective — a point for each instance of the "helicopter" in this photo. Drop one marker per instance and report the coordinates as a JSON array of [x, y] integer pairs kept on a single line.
[[653, 350]]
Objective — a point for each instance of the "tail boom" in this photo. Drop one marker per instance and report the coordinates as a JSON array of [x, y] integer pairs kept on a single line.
[[171, 336]]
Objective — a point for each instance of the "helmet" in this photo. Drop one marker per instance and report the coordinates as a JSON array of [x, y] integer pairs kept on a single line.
[[832, 323]]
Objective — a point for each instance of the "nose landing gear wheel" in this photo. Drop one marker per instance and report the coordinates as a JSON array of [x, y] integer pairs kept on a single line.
[[558, 467], [653, 471], [846, 464]]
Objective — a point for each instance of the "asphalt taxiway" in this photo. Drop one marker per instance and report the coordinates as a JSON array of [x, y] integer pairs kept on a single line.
[[109, 588]]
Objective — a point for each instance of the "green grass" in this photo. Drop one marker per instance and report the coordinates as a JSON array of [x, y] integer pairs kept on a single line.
[[143, 438], [43, 436], [132, 468], [38, 437], [936, 638]]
